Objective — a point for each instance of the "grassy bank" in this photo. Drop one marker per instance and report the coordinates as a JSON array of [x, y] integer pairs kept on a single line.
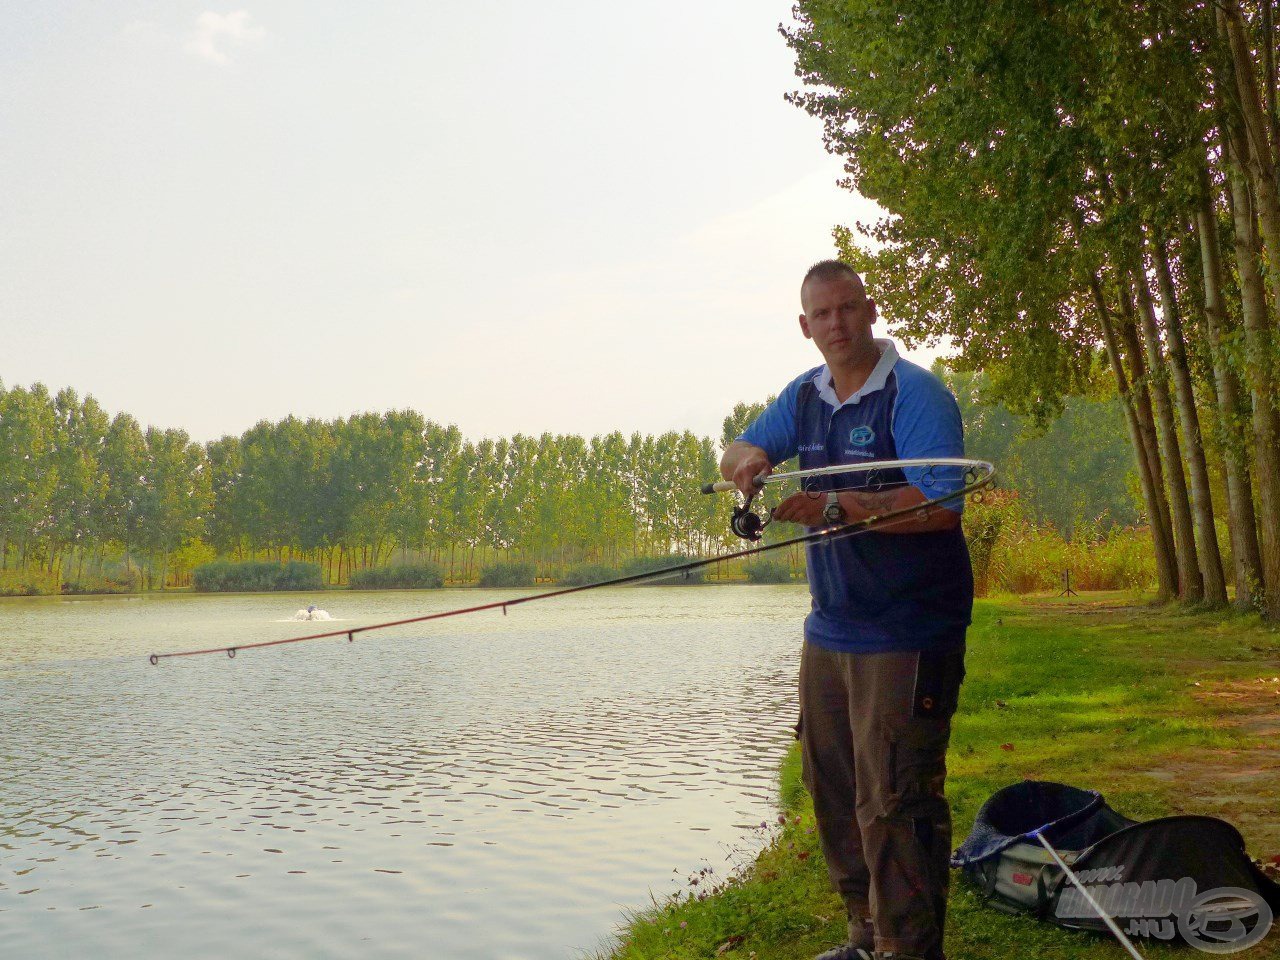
[[1164, 712]]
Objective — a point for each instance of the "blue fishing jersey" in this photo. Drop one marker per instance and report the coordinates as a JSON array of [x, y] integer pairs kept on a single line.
[[876, 592]]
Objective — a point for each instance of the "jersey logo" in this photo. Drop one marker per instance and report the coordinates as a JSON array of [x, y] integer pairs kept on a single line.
[[861, 436]]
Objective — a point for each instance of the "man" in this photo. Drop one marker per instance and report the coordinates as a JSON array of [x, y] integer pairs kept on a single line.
[[883, 655]]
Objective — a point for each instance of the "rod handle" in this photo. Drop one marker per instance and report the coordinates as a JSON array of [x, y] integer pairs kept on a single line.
[[724, 486]]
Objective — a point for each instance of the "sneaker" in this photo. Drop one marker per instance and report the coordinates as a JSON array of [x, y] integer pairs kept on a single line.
[[846, 951], [861, 944]]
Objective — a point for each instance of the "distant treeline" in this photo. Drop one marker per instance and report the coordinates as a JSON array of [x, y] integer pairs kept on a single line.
[[79, 489], [92, 502]]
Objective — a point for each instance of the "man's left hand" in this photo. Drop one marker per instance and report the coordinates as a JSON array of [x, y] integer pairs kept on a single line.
[[803, 508]]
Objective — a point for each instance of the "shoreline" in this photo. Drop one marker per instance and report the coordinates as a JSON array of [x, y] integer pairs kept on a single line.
[[323, 591], [1167, 712]]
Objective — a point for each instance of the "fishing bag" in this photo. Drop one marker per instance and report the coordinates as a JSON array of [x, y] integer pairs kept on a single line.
[[1184, 878]]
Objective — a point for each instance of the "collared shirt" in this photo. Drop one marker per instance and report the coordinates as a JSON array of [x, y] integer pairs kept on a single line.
[[824, 380], [903, 412], [878, 591]]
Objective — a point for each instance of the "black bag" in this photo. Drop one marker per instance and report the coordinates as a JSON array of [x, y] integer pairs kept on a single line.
[[1174, 878]]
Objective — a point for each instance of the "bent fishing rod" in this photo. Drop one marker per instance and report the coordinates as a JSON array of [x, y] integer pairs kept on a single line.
[[978, 475]]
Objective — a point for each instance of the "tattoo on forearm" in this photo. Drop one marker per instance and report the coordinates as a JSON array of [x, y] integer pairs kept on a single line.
[[877, 501]]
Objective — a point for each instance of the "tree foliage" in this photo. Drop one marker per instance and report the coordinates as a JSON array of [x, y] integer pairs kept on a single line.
[[1073, 182]]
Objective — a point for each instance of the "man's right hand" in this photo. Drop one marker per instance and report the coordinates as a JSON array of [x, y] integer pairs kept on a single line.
[[742, 463]]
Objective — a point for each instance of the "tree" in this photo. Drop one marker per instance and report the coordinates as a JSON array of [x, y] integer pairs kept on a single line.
[[1036, 165]]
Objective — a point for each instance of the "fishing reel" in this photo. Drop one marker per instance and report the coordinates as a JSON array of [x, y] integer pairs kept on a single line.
[[748, 524]]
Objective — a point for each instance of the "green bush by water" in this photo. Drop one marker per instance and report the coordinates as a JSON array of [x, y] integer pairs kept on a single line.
[[585, 573], [645, 564], [402, 576], [125, 582], [508, 575], [27, 583], [223, 576], [769, 571]]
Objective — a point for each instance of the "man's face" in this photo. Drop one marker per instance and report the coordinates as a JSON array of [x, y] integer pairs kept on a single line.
[[838, 317]]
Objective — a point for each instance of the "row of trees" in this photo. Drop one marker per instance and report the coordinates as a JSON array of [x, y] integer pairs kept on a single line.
[[1073, 474], [78, 488], [1068, 180], [74, 482], [346, 493]]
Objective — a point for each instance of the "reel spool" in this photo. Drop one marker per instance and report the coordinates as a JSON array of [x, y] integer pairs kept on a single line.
[[748, 524]]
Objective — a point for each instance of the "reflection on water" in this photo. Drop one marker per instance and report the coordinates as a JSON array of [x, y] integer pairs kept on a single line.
[[487, 786]]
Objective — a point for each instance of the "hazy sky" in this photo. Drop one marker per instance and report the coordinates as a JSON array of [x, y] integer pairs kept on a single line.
[[515, 217]]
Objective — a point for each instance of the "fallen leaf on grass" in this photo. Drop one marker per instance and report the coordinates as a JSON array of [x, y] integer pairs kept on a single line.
[[729, 944]]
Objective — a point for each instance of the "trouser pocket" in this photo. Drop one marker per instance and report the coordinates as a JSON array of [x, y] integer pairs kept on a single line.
[[939, 675]]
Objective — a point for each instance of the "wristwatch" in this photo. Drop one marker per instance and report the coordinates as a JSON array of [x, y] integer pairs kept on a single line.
[[833, 512]]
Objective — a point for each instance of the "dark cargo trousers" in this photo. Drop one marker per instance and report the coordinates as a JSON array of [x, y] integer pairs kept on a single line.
[[874, 729]]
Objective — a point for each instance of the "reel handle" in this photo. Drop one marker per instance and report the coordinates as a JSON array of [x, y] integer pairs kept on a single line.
[[725, 486]]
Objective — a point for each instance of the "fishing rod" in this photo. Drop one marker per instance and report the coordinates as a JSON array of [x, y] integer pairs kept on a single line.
[[750, 526], [978, 475], [1106, 917]]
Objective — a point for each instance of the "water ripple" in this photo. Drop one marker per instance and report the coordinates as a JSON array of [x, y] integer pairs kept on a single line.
[[501, 787]]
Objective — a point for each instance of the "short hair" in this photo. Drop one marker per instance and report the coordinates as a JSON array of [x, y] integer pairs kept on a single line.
[[828, 270]]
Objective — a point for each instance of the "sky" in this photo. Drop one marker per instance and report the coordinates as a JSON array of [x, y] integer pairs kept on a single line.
[[564, 216]]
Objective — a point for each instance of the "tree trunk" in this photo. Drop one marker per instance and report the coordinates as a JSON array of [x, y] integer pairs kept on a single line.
[[1132, 352], [1215, 586], [1269, 69], [1247, 107], [1165, 567], [1245, 557], [1258, 359], [1190, 585]]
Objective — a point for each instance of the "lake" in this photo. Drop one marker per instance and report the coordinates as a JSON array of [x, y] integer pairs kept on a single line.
[[471, 788]]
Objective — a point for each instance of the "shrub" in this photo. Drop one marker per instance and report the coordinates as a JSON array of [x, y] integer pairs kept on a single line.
[[645, 564], [223, 576], [508, 575], [404, 576], [585, 573], [124, 582], [27, 583], [985, 524], [769, 571], [1013, 555]]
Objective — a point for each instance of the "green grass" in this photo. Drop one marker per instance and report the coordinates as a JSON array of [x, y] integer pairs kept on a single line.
[[1096, 694]]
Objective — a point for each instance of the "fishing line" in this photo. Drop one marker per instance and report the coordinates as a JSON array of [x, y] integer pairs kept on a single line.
[[978, 474]]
